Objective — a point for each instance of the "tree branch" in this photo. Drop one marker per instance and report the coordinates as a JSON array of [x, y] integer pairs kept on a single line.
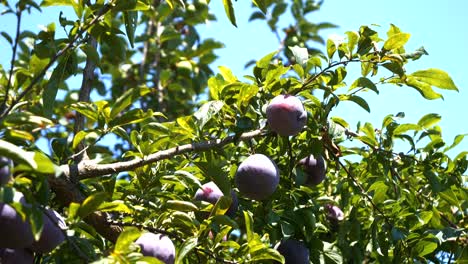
[[106, 8], [13, 58], [85, 91], [89, 169]]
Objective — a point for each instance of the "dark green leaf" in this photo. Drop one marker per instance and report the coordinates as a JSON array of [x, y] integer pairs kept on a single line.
[[185, 248], [229, 9], [131, 22], [91, 203], [126, 99], [364, 82], [262, 4]]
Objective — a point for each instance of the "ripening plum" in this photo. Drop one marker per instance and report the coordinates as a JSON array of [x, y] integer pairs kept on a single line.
[[334, 213], [211, 193], [286, 115], [293, 251], [158, 246], [16, 256], [15, 233], [5, 173], [51, 235], [314, 168], [257, 177]]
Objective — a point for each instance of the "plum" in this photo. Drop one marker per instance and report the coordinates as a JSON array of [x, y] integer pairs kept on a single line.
[[51, 235], [293, 251], [334, 214], [5, 173], [286, 115], [211, 193], [15, 233], [257, 177], [158, 246], [314, 168], [15, 256]]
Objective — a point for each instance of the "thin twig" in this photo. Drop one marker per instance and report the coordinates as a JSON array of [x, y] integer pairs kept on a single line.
[[13, 58], [106, 8]]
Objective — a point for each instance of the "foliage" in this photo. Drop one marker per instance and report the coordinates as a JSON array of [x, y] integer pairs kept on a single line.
[[178, 125]]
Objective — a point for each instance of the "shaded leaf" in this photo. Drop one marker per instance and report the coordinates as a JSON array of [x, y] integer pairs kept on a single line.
[[229, 9]]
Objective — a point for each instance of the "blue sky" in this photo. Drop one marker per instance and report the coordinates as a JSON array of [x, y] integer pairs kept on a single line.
[[438, 26]]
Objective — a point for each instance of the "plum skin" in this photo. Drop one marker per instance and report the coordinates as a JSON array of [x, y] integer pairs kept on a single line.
[[257, 177], [334, 213], [211, 193], [286, 115], [15, 233], [314, 168], [16, 255], [158, 246], [293, 251], [5, 173], [51, 235]]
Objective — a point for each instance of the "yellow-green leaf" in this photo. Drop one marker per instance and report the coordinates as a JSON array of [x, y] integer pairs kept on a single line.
[[435, 77], [396, 41]]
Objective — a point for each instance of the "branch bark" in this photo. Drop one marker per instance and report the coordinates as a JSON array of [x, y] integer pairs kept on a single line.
[[89, 169]]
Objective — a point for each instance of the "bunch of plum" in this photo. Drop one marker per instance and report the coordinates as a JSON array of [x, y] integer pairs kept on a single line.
[[257, 177], [17, 243]]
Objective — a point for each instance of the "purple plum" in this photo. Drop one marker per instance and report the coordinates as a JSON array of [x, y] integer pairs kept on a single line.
[[211, 193], [51, 235], [15, 233], [286, 115], [334, 214], [257, 177], [158, 246], [293, 251], [314, 168], [16, 256]]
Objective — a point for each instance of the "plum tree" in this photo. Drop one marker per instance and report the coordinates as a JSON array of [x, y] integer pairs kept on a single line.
[[5, 173], [15, 232], [257, 177], [286, 115], [16, 256], [51, 235], [158, 246], [293, 251], [211, 193], [314, 168]]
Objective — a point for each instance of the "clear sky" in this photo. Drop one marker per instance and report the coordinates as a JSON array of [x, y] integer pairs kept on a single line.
[[439, 26]]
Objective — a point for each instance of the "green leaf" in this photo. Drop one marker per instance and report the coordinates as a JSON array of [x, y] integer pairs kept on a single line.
[[126, 99], [360, 101], [424, 247], [229, 9], [262, 4], [114, 206], [132, 117], [364, 82], [183, 206], [50, 91], [300, 54], [265, 61], [435, 77], [369, 137], [126, 238], [400, 129], [246, 93], [131, 22], [206, 112], [331, 48], [380, 191], [47, 3], [185, 248], [92, 203], [429, 120], [423, 88], [227, 74], [396, 41], [87, 109], [456, 141], [17, 154], [249, 225]]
